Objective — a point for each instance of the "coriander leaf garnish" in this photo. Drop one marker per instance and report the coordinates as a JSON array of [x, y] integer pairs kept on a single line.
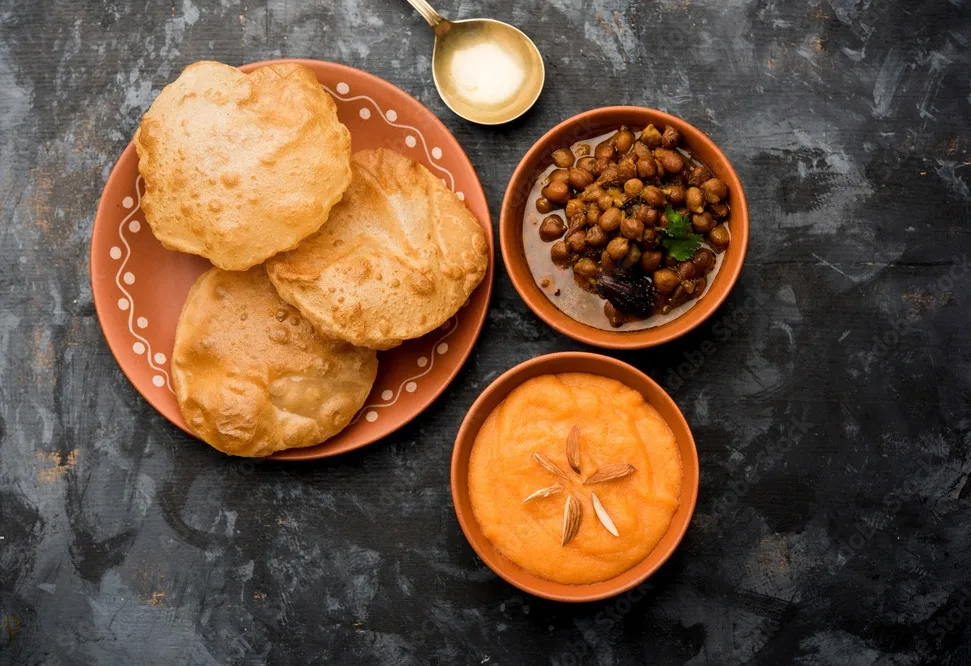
[[682, 249], [679, 241], [678, 226]]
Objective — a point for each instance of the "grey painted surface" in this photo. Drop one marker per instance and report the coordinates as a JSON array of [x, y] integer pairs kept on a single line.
[[829, 396]]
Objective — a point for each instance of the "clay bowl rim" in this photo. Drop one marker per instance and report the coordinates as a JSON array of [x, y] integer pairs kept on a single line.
[[594, 364], [586, 125]]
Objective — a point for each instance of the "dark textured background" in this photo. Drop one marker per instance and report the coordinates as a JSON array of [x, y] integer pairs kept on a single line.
[[829, 396]]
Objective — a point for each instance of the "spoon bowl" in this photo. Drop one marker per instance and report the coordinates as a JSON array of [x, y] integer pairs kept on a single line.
[[486, 71]]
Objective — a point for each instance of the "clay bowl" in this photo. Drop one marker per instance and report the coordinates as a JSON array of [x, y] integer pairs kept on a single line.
[[585, 126], [496, 393]]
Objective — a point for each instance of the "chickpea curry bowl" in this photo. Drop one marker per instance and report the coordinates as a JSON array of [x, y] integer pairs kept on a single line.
[[624, 227]]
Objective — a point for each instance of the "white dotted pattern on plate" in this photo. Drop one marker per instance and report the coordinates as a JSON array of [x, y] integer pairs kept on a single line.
[[141, 347], [410, 385], [341, 92]]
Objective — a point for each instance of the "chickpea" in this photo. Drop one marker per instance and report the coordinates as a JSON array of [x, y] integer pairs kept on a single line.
[[588, 163], [592, 193], [586, 268], [719, 210], [617, 248], [613, 315], [620, 199], [575, 223], [557, 192], [610, 219], [646, 215], [715, 190], [633, 187], [608, 263], [610, 175], [686, 270], [704, 260], [631, 227], [719, 238], [575, 207], [695, 200], [653, 196], [560, 253], [604, 149], [698, 174], [702, 223], [544, 205], [602, 165], [646, 168], [551, 228], [559, 174], [671, 137], [626, 170], [670, 262], [675, 194], [605, 201], [651, 136], [666, 280], [582, 150], [596, 236], [651, 261], [671, 160], [650, 239], [699, 287], [640, 151], [660, 168], [577, 241], [623, 140], [563, 158], [579, 178], [633, 257], [593, 213]]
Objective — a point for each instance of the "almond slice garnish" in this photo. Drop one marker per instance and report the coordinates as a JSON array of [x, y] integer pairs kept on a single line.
[[573, 448], [610, 472], [605, 520], [544, 492], [548, 464], [572, 509], [572, 517]]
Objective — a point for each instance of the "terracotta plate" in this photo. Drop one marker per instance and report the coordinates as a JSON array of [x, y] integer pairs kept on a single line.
[[139, 286]]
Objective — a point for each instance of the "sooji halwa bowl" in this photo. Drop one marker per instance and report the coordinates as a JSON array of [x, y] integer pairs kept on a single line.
[[562, 268], [577, 503]]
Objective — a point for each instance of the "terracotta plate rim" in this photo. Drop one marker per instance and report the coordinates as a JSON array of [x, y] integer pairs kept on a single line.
[[513, 573], [317, 451]]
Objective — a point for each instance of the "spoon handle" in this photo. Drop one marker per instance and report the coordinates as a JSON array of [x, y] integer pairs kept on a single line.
[[427, 12]]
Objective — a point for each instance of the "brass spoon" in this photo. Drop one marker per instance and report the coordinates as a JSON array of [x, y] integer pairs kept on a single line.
[[486, 71]]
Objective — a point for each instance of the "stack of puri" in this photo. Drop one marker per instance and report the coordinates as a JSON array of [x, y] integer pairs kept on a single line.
[[321, 256]]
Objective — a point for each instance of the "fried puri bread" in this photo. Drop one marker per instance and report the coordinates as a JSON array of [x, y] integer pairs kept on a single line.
[[238, 167], [252, 376], [397, 257]]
